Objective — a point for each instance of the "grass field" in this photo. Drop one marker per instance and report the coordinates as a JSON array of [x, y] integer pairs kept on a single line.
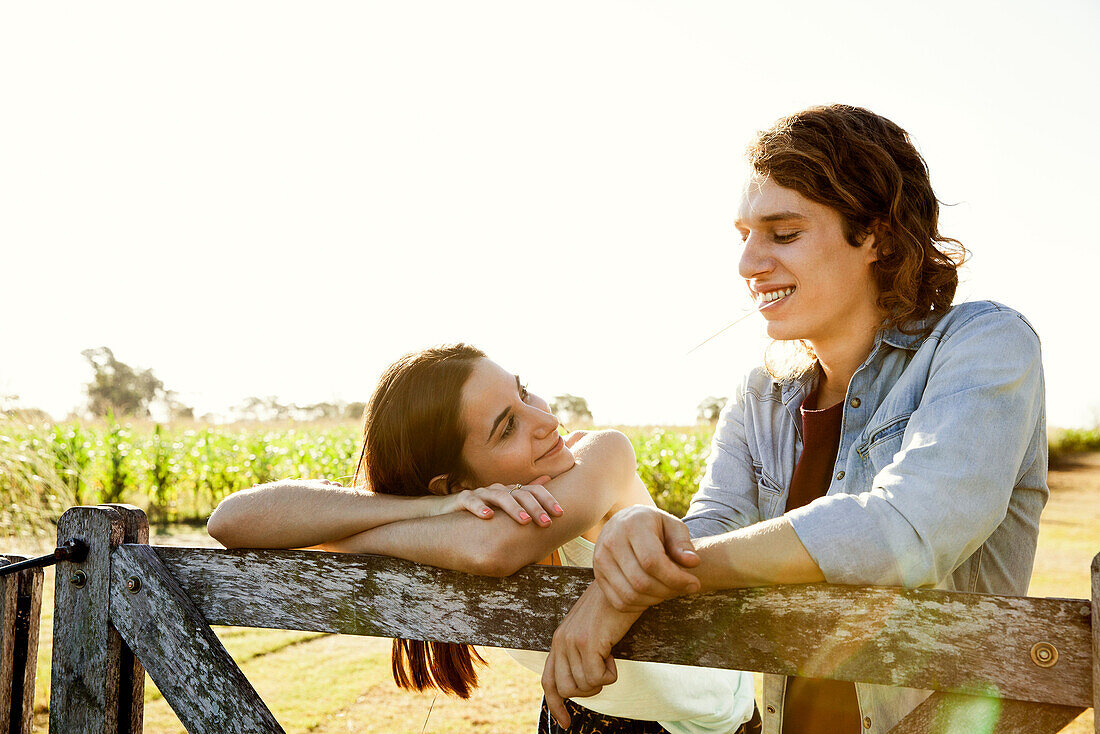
[[332, 683]]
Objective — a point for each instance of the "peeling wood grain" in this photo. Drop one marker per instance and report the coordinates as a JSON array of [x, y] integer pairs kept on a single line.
[[9, 610], [84, 687], [1096, 642], [28, 618], [964, 643], [977, 644], [131, 685], [374, 595], [957, 714], [183, 656], [20, 609]]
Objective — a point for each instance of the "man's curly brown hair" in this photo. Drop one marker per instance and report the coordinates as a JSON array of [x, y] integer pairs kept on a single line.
[[867, 169]]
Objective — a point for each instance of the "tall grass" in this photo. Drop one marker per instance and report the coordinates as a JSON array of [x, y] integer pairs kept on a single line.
[[671, 462], [1064, 442], [176, 472], [181, 472], [35, 479]]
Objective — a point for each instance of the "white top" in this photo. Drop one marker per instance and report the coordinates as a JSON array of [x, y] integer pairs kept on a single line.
[[684, 699]]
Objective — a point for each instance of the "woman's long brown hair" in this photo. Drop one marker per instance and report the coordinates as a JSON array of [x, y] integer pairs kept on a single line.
[[412, 432]]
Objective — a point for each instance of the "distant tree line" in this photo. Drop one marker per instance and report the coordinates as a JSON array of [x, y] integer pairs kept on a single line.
[[120, 390]]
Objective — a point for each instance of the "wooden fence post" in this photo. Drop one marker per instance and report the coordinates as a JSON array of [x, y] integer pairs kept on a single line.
[[1096, 642], [20, 608], [84, 692], [131, 689]]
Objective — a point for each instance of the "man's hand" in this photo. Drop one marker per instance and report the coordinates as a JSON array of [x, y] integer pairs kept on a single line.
[[642, 558], [580, 662]]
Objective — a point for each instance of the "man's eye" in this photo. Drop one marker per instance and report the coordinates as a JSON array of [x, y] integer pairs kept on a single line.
[[785, 238], [509, 426]]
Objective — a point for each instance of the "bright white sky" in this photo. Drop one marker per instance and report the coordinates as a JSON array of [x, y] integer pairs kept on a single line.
[[275, 198]]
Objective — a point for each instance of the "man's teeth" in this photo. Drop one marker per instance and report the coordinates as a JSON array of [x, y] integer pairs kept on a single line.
[[775, 295]]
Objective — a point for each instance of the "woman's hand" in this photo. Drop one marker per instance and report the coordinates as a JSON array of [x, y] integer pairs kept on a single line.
[[580, 662], [520, 502]]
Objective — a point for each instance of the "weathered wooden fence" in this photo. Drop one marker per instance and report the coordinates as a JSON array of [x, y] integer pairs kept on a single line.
[[1029, 665], [20, 606]]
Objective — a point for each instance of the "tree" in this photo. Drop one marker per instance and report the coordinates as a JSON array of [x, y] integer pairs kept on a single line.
[[710, 409], [262, 409], [117, 387], [318, 411], [571, 410], [175, 409], [8, 402]]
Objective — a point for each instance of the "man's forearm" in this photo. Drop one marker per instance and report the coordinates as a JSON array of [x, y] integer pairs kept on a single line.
[[759, 555]]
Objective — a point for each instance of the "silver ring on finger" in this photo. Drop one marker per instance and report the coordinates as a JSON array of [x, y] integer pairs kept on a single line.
[[515, 487]]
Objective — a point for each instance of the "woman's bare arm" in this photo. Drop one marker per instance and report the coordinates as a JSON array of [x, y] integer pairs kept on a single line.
[[270, 515], [301, 513], [604, 472]]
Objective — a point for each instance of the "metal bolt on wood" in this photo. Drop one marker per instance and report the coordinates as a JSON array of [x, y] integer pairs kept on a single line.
[[1044, 654], [133, 584], [78, 578], [74, 550]]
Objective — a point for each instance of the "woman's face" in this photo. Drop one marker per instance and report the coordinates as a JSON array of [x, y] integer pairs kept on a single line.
[[511, 437], [797, 247]]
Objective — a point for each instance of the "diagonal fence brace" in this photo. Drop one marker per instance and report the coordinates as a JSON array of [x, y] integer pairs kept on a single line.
[[183, 656], [953, 712]]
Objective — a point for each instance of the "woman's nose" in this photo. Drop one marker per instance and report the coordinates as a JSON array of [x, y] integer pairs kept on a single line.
[[546, 423], [755, 258]]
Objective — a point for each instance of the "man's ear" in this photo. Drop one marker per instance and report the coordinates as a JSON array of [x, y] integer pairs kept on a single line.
[[439, 485], [873, 241]]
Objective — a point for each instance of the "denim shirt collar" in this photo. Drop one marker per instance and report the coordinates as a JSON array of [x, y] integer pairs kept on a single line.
[[895, 337], [798, 388]]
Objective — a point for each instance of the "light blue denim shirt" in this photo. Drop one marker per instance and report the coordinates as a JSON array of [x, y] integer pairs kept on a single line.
[[939, 480]]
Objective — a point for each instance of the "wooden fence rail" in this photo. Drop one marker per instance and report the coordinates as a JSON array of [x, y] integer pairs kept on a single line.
[[1020, 664]]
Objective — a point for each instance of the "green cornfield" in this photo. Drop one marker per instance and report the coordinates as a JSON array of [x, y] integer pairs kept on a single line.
[[179, 473]]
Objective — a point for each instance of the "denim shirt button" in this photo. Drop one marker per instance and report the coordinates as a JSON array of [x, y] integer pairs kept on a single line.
[[866, 722], [855, 402], [771, 709], [840, 475]]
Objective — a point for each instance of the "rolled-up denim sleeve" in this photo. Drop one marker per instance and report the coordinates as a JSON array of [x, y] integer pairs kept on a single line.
[[726, 499], [948, 487]]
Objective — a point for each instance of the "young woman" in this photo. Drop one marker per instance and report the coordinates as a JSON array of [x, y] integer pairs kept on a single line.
[[905, 444], [444, 433]]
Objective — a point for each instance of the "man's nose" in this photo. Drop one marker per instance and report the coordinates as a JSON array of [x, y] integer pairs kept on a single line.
[[756, 260]]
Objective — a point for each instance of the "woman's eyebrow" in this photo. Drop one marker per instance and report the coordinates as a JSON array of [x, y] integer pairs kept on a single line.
[[502, 416], [504, 413]]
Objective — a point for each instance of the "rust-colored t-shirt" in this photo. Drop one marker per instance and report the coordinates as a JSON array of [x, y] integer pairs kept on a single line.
[[811, 705]]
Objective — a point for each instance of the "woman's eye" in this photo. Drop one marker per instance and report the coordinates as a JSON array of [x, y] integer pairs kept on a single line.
[[509, 426], [785, 238]]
